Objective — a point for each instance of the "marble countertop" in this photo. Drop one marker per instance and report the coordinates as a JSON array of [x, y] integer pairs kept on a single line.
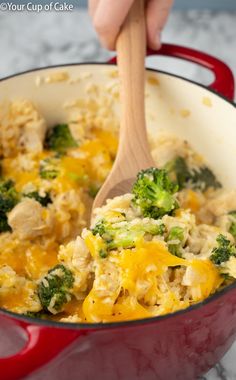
[[30, 40], [50, 38]]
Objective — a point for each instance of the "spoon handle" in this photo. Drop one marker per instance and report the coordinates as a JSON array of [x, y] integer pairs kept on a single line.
[[133, 152], [131, 51]]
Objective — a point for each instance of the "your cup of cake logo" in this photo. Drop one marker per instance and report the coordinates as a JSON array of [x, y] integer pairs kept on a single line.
[[32, 6]]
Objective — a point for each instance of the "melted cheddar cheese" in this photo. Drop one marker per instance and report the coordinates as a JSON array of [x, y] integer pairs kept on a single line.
[[141, 278]]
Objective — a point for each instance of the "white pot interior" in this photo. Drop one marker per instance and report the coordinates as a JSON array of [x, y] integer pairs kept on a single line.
[[173, 105]]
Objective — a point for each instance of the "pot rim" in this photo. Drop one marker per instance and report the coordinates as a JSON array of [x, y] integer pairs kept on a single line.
[[144, 321]]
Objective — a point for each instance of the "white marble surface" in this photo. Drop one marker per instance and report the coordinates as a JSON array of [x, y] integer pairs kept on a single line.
[[29, 40]]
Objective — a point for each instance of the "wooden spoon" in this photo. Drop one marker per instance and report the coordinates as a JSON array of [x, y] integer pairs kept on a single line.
[[133, 152]]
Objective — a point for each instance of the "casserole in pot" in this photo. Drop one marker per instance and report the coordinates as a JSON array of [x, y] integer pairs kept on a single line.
[[146, 349]]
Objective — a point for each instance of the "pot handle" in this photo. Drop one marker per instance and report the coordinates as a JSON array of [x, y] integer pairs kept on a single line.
[[224, 79], [43, 344]]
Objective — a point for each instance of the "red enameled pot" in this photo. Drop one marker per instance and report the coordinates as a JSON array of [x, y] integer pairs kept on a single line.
[[182, 345]]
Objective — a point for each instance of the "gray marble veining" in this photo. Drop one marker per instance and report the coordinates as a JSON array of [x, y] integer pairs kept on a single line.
[[29, 40]]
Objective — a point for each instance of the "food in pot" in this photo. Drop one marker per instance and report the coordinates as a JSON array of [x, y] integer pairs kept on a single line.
[[49, 178], [167, 245]]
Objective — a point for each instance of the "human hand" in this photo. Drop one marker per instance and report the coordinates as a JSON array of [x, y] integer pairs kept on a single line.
[[109, 15]]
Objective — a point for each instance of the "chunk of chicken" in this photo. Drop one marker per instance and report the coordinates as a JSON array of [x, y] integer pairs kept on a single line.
[[165, 148], [22, 128], [69, 211], [33, 135], [76, 256], [17, 293], [222, 203], [28, 219]]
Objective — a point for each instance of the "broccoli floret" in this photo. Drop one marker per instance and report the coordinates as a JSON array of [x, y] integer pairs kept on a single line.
[[103, 253], [153, 193], [44, 201], [93, 190], [48, 174], [224, 250], [203, 179], [8, 199], [48, 168], [4, 226], [38, 314], [176, 233], [232, 228], [178, 171], [8, 191], [54, 289], [125, 234], [60, 139], [100, 228], [227, 278], [196, 179], [80, 178]]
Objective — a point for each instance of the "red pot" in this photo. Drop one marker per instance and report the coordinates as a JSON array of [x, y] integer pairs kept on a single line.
[[182, 345]]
